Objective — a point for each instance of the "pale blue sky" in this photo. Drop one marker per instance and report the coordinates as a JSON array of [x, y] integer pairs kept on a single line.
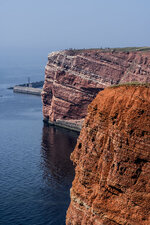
[[60, 24]]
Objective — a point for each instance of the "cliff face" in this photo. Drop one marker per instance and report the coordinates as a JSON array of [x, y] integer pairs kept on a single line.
[[112, 159], [73, 78]]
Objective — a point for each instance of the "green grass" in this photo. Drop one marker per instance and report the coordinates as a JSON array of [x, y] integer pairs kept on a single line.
[[130, 84], [131, 49], [72, 51]]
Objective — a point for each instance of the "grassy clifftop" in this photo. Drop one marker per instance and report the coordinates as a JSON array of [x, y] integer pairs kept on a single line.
[[72, 51], [131, 84]]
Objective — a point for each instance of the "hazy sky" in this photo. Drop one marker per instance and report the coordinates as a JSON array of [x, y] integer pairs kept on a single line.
[[61, 24]]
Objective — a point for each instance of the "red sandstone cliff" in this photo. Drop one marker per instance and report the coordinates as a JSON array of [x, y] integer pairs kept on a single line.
[[73, 78], [112, 159]]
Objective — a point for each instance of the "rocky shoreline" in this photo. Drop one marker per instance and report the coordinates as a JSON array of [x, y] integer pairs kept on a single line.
[[74, 125]]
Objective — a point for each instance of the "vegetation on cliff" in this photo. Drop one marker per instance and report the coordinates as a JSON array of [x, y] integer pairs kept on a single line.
[[136, 84], [73, 51]]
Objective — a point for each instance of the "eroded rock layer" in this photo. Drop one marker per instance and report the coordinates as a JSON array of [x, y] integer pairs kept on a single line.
[[112, 159], [73, 78]]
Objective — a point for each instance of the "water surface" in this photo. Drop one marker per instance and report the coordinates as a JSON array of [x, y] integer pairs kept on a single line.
[[35, 169]]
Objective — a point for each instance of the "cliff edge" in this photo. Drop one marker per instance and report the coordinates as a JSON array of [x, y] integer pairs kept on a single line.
[[74, 77], [112, 159]]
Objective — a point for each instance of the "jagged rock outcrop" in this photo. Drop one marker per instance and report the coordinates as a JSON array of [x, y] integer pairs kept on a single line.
[[74, 77], [112, 159]]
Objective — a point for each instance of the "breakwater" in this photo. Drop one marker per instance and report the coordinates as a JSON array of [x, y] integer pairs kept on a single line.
[[27, 90], [34, 88]]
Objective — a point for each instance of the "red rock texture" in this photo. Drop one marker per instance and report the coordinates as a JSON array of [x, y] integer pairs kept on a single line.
[[73, 78], [112, 159]]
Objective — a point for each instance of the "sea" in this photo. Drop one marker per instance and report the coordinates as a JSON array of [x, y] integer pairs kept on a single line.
[[35, 168]]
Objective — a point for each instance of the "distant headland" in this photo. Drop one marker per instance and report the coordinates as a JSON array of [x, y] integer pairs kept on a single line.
[[74, 77]]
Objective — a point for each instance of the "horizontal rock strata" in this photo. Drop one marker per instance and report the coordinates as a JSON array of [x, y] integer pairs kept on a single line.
[[112, 159], [73, 79]]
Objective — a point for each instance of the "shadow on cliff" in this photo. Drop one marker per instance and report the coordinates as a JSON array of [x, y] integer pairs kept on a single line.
[[56, 147]]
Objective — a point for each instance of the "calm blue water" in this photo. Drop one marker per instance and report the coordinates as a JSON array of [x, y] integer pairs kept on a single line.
[[35, 169]]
